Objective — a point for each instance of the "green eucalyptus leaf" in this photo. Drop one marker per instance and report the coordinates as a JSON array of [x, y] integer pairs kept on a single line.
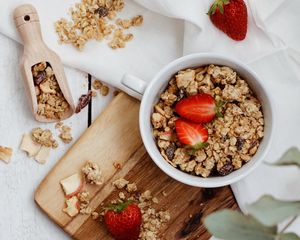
[[290, 157], [270, 211], [288, 236], [233, 225]]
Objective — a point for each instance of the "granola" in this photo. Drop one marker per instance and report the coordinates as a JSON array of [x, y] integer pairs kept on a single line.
[[43, 137], [93, 20], [233, 138], [65, 134], [50, 99], [98, 85], [92, 173]]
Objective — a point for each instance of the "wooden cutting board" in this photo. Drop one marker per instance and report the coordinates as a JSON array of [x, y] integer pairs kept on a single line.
[[114, 138]]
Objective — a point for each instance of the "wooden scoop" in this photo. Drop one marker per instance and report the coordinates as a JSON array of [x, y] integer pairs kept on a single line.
[[36, 51]]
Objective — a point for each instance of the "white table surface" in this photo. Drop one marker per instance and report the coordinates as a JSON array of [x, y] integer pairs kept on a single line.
[[20, 218]]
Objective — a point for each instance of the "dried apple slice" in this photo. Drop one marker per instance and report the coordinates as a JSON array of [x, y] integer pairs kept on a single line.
[[73, 206], [72, 185]]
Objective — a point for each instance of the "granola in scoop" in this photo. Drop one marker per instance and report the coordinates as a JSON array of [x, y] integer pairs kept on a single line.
[[233, 138]]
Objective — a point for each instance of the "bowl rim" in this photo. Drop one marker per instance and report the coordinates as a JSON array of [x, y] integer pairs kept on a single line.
[[184, 177]]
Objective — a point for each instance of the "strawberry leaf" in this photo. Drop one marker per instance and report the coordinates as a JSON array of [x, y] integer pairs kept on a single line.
[[270, 211]]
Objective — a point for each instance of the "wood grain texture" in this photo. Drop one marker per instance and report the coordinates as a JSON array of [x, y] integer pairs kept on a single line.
[[114, 137]]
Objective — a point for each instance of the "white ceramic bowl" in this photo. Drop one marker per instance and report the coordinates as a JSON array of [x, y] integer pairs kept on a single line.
[[150, 95]]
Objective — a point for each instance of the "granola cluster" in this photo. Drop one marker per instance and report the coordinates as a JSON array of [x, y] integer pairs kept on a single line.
[[233, 138], [43, 137], [96, 19], [103, 89], [50, 99], [92, 173]]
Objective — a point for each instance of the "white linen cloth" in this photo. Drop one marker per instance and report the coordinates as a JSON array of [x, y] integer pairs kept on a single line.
[[173, 28]]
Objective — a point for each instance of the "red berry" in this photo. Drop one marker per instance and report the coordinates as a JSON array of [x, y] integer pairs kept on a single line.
[[200, 108], [231, 17], [123, 221], [194, 135]]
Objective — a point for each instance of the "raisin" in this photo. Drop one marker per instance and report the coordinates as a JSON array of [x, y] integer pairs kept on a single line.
[[41, 76], [226, 169], [253, 144], [239, 143], [101, 11], [83, 101], [170, 151]]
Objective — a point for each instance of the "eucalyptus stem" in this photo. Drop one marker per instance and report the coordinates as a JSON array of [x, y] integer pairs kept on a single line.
[[289, 224]]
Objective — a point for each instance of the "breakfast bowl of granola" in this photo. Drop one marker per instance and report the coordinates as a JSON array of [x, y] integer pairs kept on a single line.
[[206, 120]]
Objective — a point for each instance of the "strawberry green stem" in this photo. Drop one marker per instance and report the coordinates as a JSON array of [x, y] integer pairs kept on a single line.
[[218, 4]]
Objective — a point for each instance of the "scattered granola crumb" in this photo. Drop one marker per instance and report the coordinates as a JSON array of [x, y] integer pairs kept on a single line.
[[43, 137], [94, 94], [93, 20], [92, 173], [95, 215], [122, 195], [131, 187], [97, 84], [104, 90], [117, 166], [65, 134], [155, 200], [120, 183], [59, 125], [5, 154], [164, 193]]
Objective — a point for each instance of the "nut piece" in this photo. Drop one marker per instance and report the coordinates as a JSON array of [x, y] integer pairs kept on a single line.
[[5, 154], [131, 187], [120, 183], [92, 173], [43, 137]]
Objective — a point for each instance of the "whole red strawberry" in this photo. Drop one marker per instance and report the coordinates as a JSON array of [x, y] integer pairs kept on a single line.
[[123, 221], [231, 17], [200, 108]]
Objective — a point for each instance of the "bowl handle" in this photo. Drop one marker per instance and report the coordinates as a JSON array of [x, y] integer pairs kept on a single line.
[[134, 85]]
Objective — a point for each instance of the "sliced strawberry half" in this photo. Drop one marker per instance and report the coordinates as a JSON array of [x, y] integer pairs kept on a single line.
[[200, 108], [191, 134]]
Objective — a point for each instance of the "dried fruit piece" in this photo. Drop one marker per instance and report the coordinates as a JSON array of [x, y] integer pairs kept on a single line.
[[42, 155], [226, 169], [5, 154], [41, 76], [72, 184], [83, 101], [29, 146], [101, 11], [73, 206]]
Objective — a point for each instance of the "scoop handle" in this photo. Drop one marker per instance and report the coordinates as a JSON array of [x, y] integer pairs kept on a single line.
[[28, 24]]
